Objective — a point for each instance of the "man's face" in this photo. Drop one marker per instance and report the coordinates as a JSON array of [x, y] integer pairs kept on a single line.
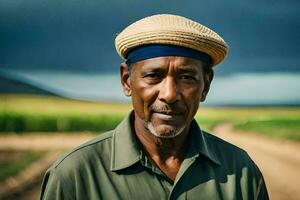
[[166, 92]]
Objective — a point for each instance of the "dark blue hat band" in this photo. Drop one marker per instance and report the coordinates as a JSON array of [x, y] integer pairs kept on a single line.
[[159, 50]]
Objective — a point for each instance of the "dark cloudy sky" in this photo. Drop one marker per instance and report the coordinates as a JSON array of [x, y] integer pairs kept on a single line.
[[264, 35]]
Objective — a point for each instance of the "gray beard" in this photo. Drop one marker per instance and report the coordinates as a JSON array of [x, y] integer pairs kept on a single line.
[[172, 135]]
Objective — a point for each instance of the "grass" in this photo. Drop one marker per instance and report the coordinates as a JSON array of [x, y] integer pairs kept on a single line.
[[51, 114], [49, 105], [274, 127], [10, 167], [42, 122], [22, 114], [277, 122]]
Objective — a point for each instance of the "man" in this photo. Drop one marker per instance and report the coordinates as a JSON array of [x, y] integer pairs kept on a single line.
[[159, 151]]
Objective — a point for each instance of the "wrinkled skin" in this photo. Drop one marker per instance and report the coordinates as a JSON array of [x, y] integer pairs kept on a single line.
[[165, 92]]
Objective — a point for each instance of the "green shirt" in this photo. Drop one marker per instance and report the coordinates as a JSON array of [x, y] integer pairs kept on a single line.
[[113, 166]]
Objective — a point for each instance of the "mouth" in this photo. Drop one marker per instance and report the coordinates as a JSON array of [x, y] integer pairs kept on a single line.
[[167, 115]]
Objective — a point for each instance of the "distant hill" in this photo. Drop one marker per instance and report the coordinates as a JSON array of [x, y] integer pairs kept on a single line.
[[9, 85]]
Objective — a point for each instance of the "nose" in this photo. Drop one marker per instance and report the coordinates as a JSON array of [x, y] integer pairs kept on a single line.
[[168, 92]]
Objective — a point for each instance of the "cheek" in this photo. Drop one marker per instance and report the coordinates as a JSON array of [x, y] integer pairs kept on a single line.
[[143, 97], [192, 97], [192, 92]]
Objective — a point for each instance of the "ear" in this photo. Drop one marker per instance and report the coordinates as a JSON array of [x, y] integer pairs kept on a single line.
[[125, 79], [208, 77]]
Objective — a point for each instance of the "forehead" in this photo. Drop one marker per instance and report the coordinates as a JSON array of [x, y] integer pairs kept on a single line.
[[176, 62]]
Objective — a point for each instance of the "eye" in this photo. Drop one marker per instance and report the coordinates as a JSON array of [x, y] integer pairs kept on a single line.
[[152, 76], [187, 77]]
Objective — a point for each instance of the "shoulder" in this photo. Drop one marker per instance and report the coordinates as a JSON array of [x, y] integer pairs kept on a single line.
[[60, 179], [228, 153], [97, 148], [218, 143], [236, 162]]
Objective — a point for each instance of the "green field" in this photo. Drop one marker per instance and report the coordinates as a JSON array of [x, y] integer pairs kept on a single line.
[[24, 114], [51, 114], [13, 162], [278, 122]]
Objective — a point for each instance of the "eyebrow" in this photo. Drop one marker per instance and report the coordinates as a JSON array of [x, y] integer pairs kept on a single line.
[[188, 69], [184, 68]]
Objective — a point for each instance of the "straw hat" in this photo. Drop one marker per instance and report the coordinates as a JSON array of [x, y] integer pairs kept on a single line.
[[172, 30]]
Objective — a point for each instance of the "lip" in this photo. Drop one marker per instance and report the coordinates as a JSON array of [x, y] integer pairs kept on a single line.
[[168, 112], [167, 115]]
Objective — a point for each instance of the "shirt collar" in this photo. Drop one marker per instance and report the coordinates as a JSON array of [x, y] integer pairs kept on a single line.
[[126, 152], [199, 143]]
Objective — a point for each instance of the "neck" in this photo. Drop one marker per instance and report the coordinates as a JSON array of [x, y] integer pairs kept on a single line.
[[166, 153], [161, 150]]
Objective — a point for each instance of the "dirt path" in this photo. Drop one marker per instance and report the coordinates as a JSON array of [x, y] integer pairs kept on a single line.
[[27, 177], [278, 160], [26, 184], [42, 141]]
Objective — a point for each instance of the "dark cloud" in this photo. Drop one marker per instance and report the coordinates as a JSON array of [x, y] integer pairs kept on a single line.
[[79, 35]]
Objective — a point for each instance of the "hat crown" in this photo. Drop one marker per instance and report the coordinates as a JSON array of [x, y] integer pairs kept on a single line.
[[167, 21], [172, 30]]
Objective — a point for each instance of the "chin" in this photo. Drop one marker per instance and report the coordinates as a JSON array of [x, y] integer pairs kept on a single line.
[[165, 131]]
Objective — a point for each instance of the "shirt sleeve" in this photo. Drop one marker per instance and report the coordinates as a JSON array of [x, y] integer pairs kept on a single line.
[[55, 187], [259, 185], [262, 192]]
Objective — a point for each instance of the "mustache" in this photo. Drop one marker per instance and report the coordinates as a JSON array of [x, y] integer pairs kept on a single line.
[[168, 109]]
